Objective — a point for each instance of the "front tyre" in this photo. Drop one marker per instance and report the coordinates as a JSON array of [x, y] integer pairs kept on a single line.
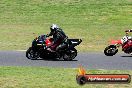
[[30, 54], [110, 50], [70, 55]]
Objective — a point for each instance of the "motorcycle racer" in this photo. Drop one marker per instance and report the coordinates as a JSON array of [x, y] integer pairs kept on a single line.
[[127, 32], [126, 37], [125, 42], [129, 37], [59, 38]]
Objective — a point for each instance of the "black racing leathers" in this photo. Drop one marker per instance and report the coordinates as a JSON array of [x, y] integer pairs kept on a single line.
[[59, 38]]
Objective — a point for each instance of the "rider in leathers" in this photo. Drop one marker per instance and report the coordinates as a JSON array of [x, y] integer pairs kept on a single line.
[[128, 31], [59, 38], [130, 37]]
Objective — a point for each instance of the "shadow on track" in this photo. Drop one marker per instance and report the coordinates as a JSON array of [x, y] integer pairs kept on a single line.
[[126, 56], [51, 59]]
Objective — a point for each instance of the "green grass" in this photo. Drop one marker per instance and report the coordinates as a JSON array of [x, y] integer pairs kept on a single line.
[[43, 77], [94, 21]]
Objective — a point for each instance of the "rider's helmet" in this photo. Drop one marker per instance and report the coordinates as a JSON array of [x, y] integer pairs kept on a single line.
[[54, 28]]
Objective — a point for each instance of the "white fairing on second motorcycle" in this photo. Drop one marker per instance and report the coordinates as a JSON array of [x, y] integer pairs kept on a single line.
[[125, 39]]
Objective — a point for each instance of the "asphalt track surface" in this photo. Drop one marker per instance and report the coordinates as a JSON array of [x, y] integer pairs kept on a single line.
[[89, 60]]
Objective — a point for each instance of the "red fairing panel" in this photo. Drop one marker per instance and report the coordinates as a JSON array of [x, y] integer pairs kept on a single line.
[[128, 44], [113, 42], [48, 42]]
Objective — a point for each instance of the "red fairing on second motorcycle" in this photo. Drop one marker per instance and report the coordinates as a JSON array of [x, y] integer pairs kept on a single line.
[[125, 43]]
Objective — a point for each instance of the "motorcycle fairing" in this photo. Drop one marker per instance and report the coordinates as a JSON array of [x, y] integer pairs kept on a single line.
[[127, 47], [113, 42]]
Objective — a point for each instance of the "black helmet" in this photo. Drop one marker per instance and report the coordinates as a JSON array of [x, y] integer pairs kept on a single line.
[[54, 27]]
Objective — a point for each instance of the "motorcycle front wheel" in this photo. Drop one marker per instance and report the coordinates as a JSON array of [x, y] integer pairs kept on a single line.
[[30, 54], [110, 50]]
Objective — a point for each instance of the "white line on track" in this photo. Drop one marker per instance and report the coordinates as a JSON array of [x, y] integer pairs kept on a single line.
[[20, 50]]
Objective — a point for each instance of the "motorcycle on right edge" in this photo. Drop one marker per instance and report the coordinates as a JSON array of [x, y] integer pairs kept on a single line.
[[125, 43]]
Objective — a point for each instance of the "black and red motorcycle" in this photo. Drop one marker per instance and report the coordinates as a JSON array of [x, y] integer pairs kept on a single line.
[[125, 43], [39, 49]]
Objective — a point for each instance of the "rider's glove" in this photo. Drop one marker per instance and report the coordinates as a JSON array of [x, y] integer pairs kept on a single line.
[[47, 35]]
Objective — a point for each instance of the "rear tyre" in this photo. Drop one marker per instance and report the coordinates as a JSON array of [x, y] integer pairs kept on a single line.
[[70, 55], [30, 54], [110, 50]]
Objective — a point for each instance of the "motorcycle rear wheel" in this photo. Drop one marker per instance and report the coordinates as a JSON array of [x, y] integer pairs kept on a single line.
[[70, 55]]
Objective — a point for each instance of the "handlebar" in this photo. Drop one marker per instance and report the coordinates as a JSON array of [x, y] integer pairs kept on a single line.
[[42, 37]]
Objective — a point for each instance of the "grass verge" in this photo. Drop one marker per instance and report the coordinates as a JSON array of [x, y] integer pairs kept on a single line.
[[45, 77]]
